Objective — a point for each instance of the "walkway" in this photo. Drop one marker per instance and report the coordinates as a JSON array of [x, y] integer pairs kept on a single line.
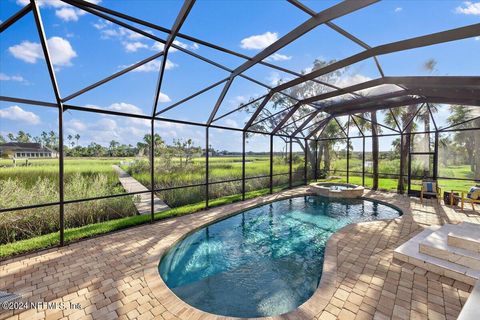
[[132, 185], [116, 276]]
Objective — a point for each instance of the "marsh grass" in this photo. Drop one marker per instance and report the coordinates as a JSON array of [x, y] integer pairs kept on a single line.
[[37, 183], [88, 231]]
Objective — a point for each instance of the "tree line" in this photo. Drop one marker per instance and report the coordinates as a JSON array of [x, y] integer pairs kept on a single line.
[[183, 149]]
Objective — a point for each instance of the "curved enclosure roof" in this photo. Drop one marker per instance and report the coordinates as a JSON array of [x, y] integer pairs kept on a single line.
[[275, 67]]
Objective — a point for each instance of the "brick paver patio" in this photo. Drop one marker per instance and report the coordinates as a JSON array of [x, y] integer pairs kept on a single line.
[[113, 277]]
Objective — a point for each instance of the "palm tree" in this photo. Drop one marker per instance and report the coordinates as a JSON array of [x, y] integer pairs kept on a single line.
[[371, 125], [468, 141], [157, 144], [403, 115], [77, 137], [112, 146], [69, 138], [283, 101]]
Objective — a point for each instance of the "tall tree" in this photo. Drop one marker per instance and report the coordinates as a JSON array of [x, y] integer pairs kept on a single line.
[[282, 101], [469, 141], [69, 138], [77, 137], [405, 117]]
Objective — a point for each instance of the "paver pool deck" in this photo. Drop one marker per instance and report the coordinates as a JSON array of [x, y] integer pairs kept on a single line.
[[115, 276]]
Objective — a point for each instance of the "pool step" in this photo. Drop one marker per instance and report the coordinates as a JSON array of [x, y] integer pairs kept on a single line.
[[429, 250], [436, 245], [470, 310], [467, 237]]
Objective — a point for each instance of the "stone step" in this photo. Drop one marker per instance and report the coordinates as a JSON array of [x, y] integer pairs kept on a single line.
[[409, 252], [470, 310], [436, 245], [466, 236]]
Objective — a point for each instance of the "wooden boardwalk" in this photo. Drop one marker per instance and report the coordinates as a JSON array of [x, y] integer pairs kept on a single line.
[[132, 185]]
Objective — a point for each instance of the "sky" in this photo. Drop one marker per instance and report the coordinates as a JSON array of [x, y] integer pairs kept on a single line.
[[86, 48]]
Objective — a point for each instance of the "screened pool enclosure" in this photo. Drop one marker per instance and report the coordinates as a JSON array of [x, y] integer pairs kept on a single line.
[[378, 112]]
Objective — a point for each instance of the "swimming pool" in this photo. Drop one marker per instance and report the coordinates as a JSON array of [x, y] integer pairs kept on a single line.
[[264, 261]]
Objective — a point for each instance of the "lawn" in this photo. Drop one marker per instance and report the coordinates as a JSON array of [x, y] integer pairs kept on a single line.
[[75, 234], [93, 177]]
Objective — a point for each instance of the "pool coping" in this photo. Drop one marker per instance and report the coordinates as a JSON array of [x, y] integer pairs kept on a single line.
[[307, 310]]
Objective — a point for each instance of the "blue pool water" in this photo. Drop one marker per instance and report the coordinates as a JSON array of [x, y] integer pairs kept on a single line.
[[264, 261]]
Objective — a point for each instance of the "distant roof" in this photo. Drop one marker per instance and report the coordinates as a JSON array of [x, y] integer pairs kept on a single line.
[[25, 147]]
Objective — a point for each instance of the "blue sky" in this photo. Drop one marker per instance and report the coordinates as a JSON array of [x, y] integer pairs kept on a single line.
[[86, 49]]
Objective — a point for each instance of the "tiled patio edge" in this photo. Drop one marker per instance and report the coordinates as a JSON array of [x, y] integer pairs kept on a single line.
[[308, 310]]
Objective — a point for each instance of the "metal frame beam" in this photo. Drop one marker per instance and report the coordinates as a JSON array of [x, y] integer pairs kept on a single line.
[[181, 17], [412, 43]]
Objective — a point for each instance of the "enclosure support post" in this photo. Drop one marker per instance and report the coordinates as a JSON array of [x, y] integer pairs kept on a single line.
[[243, 164], [61, 177], [363, 162], [53, 79], [435, 157], [305, 176], [409, 177], [402, 172], [348, 160], [316, 161], [271, 163], [207, 150], [290, 165], [152, 170]]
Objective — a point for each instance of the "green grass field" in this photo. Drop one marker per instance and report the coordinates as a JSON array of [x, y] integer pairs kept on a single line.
[[92, 177]]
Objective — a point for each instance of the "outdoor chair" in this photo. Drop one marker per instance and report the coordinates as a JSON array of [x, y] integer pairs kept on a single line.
[[430, 188], [472, 197]]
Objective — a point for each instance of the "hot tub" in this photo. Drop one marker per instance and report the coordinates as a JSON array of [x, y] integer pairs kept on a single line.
[[337, 190]]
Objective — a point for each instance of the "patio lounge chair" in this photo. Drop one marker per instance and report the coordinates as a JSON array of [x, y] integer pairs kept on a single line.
[[430, 188], [472, 197]]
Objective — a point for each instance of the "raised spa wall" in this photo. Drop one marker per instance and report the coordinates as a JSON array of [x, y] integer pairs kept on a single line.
[[325, 189]]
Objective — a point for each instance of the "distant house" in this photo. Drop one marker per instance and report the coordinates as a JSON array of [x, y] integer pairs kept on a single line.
[[19, 150]]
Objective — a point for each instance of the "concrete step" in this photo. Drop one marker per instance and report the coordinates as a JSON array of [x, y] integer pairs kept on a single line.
[[409, 252], [470, 310], [436, 245], [466, 236]]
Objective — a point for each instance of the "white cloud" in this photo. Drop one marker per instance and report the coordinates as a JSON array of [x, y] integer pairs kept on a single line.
[[27, 51], [274, 78], [260, 41], [17, 113], [125, 107], [162, 97], [231, 123], [158, 46], [63, 10], [67, 14], [469, 8], [6, 77], [134, 46], [153, 66], [105, 128], [60, 49], [76, 125], [477, 38], [279, 57], [180, 44], [350, 80], [398, 9]]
